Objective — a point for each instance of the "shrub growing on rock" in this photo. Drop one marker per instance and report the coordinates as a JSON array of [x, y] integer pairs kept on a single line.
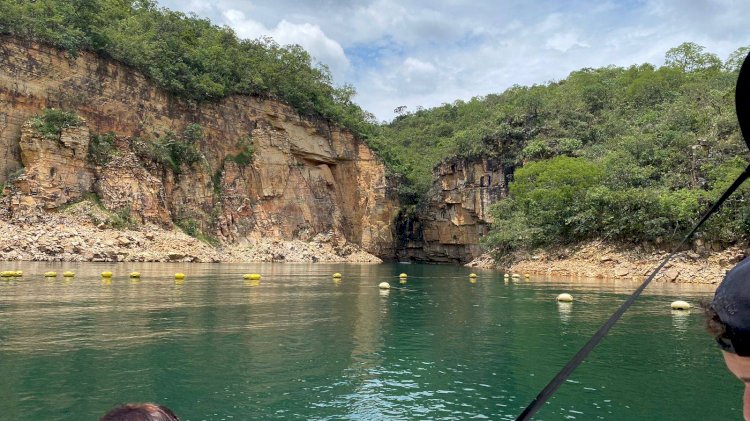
[[52, 121]]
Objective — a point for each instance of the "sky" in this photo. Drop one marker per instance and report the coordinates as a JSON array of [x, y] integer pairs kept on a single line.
[[428, 52]]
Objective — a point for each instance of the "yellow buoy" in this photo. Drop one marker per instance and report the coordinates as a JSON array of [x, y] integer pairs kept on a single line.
[[179, 276], [7, 273], [106, 274], [506, 276], [50, 274], [68, 274], [337, 275], [473, 275], [135, 274], [525, 275], [252, 276], [403, 275], [384, 285], [515, 275], [565, 298], [680, 305]]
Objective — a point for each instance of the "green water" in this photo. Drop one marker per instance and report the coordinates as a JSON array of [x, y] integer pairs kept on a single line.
[[301, 346]]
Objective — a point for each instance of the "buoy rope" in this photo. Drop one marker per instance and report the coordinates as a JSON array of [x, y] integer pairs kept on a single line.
[[742, 103]]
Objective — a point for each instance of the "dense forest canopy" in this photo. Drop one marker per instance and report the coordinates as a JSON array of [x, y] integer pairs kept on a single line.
[[624, 154], [186, 55]]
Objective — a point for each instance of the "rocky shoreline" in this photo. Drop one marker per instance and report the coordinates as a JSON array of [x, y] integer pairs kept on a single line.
[[84, 232], [700, 265]]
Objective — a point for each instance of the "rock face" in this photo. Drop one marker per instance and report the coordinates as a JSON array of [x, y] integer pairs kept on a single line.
[[448, 228], [125, 185], [54, 172], [306, 176]]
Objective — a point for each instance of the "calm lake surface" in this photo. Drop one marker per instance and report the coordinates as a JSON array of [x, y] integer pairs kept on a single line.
[[300, 346]]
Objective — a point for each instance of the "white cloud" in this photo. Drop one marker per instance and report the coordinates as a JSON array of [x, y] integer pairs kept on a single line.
[[245, 28], [372, 21], [428, 52], [416, 76], [197, 6], [551, 22], [309, 36], [315, 41], [563, 42]]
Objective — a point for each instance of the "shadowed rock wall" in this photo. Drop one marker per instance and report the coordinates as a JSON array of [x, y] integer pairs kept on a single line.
[[456, 215]]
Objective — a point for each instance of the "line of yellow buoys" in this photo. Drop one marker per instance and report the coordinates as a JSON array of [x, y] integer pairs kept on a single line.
[[256, 277], [11, 274]]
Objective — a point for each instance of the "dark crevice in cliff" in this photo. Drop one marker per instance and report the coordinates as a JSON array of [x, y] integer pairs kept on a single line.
[[447, 226]]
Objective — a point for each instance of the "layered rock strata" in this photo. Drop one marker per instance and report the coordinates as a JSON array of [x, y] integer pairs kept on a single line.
[[306, 176], [456, 215]]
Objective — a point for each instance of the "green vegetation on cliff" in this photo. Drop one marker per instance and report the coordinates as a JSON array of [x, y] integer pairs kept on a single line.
[[624, 154], [51, 122], [186, 55], [170, 150]]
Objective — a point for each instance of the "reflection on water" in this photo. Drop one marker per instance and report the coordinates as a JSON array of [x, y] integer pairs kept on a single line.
[[564, 310], [299, 345], [681, 320]]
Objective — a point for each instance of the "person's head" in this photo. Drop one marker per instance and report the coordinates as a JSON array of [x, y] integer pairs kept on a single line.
[[140, 412], [729, 322]]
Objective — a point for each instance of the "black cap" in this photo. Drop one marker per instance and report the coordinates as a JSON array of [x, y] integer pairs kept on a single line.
[[732, 304]]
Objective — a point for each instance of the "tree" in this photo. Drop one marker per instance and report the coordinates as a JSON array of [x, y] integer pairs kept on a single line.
[[653, 138], [690, 57], [184, 54], [735, 60], [548, 194]]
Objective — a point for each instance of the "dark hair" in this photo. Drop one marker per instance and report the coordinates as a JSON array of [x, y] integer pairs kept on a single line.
[[140, 412], [714, 325]]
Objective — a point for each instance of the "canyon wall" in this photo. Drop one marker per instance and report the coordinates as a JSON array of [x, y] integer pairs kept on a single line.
[[448, 227], [306, 178]]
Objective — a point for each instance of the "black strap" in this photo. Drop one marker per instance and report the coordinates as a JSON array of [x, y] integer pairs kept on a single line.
[[742, 99], [574, 362]]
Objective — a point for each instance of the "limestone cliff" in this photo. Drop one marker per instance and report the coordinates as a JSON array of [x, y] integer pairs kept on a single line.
[[448, 227], [64, 175], [306, 176]]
